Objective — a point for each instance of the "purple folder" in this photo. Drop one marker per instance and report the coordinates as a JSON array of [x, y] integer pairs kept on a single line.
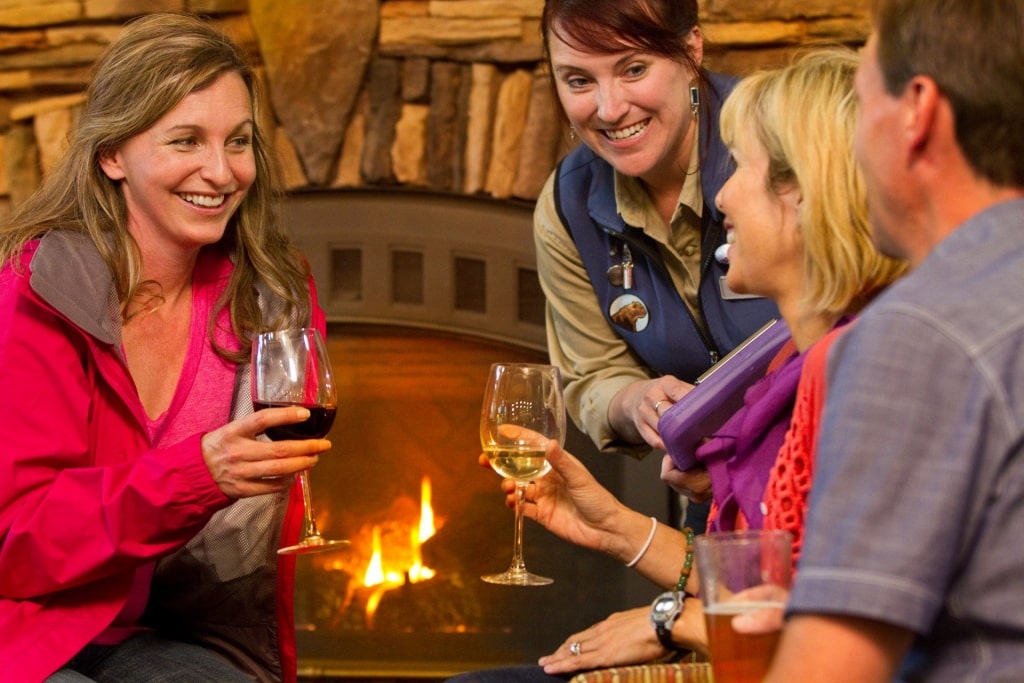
[[719, 393]]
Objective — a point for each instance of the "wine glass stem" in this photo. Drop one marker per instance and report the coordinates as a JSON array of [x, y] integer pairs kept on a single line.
[[517, 544], [309, 529]]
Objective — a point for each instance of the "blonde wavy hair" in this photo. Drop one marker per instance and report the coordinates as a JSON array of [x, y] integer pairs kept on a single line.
[[152, 66], [804, 115]]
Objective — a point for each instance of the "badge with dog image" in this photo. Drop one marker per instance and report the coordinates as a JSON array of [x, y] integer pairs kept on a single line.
[[628, 312]]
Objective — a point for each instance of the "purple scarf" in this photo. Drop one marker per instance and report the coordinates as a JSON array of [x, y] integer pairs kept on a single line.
[[741, 454]]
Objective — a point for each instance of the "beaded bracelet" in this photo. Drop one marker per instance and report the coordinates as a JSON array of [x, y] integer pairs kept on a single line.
[[684, 573]]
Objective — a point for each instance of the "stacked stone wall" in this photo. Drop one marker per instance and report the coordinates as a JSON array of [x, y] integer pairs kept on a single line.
[[446, 95]]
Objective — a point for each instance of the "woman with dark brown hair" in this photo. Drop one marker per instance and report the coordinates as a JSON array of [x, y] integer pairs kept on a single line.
[[627, 222]]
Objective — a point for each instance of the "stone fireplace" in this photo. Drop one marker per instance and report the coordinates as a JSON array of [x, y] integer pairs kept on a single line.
[[443, 95], [414, 136]]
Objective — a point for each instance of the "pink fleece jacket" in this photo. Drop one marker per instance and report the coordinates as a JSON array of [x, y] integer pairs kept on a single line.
[[84, 499]]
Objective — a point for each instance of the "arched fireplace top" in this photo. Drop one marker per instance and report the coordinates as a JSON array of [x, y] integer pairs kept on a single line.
[[449, 262]]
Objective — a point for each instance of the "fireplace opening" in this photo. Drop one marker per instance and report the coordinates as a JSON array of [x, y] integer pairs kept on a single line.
[[424, 291], [403, 484]]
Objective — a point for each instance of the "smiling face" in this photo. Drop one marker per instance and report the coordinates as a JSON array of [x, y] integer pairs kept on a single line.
[[184, 177], [765, 257], [631, 107]]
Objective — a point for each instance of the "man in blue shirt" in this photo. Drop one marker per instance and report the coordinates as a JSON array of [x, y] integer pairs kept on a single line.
[[914, 533]]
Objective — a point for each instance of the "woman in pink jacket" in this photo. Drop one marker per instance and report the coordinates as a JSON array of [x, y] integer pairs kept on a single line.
[[139, 513]]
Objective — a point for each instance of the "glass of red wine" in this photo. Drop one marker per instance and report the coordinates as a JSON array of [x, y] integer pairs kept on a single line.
[[291, 368]]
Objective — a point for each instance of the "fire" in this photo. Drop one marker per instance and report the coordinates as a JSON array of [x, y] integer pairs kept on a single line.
[[417, 572], [426, 512], [375, 570], [382, 579]]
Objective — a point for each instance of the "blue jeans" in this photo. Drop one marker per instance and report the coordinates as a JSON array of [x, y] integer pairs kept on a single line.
[[148, 658]]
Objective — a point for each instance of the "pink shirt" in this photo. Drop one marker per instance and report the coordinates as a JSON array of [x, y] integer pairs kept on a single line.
[[201, 403]]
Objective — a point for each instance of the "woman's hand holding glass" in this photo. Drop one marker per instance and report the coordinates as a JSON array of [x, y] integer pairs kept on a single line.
[[291, 369], [572, 504], [243, 466], [522, 408]]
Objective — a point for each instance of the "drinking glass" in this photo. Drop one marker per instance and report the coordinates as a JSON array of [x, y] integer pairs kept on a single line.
[[291, 368], [522, 409], [742, 572]]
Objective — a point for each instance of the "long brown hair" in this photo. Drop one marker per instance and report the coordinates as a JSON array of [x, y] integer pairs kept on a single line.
[[152, 66]]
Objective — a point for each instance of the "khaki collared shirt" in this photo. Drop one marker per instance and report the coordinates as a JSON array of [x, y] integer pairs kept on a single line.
[[595, 361]]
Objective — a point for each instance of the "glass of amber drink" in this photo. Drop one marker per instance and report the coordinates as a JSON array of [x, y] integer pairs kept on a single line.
[[743, 572]]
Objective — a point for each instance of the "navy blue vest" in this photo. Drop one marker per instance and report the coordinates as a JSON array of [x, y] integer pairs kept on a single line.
[[666, 337]]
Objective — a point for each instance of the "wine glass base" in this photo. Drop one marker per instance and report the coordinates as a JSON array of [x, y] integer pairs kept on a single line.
[[313, 545], [517, 578]]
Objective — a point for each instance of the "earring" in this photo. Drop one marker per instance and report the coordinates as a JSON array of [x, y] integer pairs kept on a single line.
[[572, 134], [694, 97]]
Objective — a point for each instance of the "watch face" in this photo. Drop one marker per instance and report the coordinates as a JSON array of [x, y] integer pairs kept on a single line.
[[665, 606]]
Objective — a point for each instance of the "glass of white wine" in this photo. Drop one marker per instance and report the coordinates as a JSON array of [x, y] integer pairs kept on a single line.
[[522, 409]]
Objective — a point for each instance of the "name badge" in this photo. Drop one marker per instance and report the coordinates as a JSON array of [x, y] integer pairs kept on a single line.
[[729, 295]]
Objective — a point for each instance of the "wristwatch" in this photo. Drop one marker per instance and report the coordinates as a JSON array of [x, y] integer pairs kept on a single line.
[[665, 609]]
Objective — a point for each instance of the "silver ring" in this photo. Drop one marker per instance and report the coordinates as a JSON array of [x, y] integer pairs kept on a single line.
[[576, 648], [657, 405]]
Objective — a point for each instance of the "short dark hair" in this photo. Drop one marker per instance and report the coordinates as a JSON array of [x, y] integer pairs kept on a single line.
[[974, 51], [657, 26]]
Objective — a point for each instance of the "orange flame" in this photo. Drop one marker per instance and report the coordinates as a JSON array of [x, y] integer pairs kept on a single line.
[[375, 570], [385, 579], [426, 512], [417, 572]]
